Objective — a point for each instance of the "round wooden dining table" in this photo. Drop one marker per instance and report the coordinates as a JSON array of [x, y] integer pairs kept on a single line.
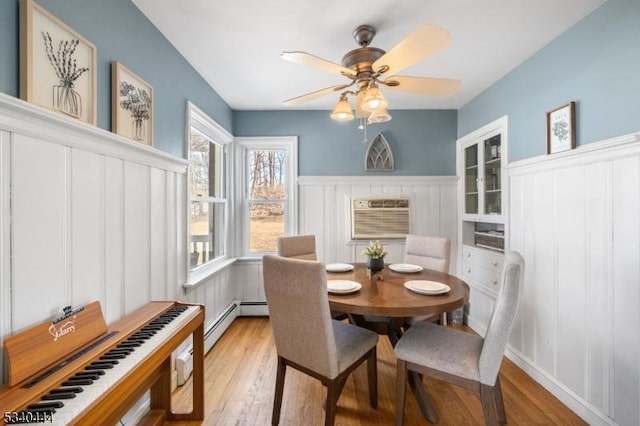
[[385, 305], [384, 294]]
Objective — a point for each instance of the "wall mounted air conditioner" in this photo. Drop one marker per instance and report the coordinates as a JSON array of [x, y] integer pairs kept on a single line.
[[375, 218]]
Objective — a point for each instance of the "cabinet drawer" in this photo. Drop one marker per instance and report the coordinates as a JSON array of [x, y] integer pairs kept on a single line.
[[475, 274], [485, 258]]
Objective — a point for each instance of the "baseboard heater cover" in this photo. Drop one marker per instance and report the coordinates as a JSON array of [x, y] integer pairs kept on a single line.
[[184, 361]]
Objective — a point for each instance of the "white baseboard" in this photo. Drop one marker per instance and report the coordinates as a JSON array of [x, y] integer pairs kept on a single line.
[[254, 309], [217, 327], [581, 407]]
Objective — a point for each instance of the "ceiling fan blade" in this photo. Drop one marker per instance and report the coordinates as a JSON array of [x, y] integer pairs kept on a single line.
[[425, 41], [436, 87], [314, 95], [317, 62]]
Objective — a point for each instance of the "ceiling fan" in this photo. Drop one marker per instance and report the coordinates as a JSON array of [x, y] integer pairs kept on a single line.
[[368, 68]]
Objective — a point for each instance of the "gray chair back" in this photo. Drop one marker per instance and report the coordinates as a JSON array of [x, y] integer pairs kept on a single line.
[[298, 303], [502, 318], [428, 252], [297, 247]]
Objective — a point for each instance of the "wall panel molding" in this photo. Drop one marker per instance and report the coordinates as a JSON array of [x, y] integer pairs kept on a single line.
[[574, 218], [18, 116]]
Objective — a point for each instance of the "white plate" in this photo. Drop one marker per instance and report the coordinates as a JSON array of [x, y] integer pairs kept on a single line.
[[405, 267], [427, 287], [339, 267], [343, 286]]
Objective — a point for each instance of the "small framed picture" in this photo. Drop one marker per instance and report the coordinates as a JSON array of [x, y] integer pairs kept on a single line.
[[131, 105], [57, 64], [561, 128]]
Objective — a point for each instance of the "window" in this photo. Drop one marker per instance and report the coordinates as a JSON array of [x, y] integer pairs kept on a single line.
[[208, 190], [269, 170]]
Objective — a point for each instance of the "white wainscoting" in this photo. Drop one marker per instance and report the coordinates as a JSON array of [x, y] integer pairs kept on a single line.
[[575, 217], [87, 215], [323, 210]]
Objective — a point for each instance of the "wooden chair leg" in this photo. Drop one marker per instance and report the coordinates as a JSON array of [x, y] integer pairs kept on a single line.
[[401, 385], [334, 387], [277, 400], [487, 396], [372, 373], [502, 416]]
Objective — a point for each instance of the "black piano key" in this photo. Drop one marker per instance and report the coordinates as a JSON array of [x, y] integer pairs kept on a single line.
[[77, 382], [74, 389], [129, 344], [109, 357], [40, 410], [99, 367], [125, 351], [94, 370], [104, 364], [58, 395], [86, 375], [48, 404]]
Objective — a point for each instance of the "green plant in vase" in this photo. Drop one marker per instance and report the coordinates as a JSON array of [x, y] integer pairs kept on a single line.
[[375, 253]]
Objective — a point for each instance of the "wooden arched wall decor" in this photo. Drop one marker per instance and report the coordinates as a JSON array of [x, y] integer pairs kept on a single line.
[[379, 157]]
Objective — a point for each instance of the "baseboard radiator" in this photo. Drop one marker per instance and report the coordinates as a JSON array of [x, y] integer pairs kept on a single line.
[[184, 360]]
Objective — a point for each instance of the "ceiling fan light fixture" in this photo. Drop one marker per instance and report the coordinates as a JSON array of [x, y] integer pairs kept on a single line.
[[342, 110], [373, 99], [379, 115]]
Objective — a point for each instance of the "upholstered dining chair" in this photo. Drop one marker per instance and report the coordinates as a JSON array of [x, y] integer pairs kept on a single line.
[[464, 358], [297, 247], [306, 337], [302, 247], [430, 253]]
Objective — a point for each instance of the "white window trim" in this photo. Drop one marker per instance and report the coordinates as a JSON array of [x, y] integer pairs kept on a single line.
[[199, 120], [290, 143]]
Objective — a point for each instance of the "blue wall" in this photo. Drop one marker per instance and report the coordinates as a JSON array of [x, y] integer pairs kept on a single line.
[[122, 33], [595, 63], [423, 142]]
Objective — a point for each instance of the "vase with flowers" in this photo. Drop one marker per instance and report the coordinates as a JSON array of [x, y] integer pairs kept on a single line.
[[375, 253]]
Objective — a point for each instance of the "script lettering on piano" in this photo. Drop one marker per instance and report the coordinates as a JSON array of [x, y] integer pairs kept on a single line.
[[74, 369]]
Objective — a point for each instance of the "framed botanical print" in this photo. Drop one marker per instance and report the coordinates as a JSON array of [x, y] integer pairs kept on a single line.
[[561, 128], [131, 105], [57, 64]]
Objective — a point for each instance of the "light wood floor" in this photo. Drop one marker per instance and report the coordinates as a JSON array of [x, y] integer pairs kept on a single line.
[[240, 377]]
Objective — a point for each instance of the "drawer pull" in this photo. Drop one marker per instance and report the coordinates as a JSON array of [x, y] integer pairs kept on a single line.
[[495, 263], [495, 281], [468, 254], [469, 270]]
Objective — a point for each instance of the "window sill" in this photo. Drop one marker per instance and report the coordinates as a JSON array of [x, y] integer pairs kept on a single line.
[[199, 277]]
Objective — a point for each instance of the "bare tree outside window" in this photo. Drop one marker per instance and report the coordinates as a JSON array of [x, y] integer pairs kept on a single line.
[[207, 198], [267, 193]]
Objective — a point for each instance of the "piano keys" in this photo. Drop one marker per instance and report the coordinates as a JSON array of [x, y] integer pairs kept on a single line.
[[75, 370]]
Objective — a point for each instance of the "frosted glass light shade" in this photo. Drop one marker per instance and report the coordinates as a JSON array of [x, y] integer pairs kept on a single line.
[[373, 99], [342, 110], [380, 115]]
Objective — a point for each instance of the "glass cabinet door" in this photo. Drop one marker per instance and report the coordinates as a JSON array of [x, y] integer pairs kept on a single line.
[[492, 177], [471, 195]]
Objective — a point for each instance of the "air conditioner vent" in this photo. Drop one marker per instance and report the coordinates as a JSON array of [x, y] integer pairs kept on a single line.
[[380, 218]]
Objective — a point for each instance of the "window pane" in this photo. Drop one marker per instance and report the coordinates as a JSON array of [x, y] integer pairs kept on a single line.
[[267, 174], [206, 243], [206, 159], [199, 161], [266, 224]]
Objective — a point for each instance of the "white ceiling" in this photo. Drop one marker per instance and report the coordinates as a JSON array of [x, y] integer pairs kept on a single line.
[[235, 44]]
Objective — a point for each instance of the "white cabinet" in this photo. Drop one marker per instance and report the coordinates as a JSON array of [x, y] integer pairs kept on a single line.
[[481, 172], [482, 211]]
